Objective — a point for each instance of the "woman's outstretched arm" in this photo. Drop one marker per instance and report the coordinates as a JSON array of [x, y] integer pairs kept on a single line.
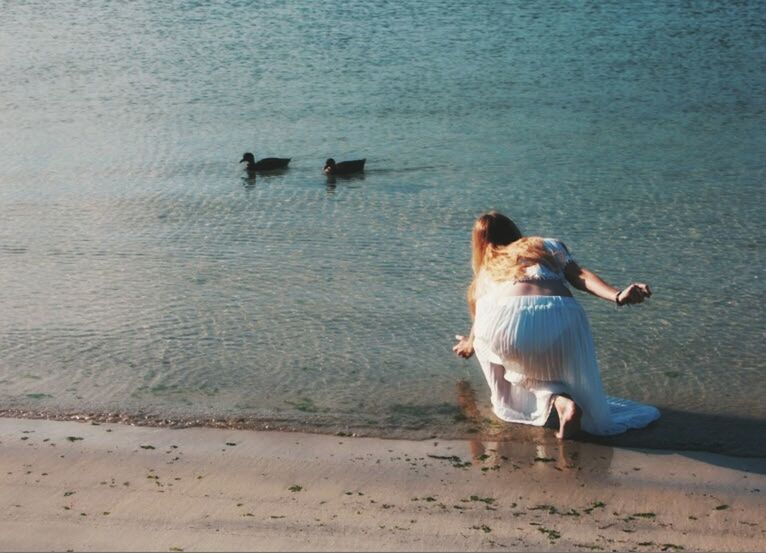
[[588, 281]]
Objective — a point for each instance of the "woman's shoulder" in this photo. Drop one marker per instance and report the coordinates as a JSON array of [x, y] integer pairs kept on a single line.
[[558, 250]]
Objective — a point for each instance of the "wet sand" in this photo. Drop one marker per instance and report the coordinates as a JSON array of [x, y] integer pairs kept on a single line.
[[82, 486]]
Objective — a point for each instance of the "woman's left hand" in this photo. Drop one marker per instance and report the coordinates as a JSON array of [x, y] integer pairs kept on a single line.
[[635, 293], [464, 346]]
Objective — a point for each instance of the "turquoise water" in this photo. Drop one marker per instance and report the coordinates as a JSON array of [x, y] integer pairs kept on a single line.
[[141, 274]]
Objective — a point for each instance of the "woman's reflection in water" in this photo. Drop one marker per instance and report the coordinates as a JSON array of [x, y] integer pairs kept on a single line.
[[504, 445]]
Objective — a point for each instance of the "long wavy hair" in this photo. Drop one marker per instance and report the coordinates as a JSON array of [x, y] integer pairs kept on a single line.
[[511, 262], [499, 249], [491, 230]]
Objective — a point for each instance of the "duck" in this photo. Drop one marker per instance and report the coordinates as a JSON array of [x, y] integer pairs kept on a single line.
[[265, 164], [344, 167]]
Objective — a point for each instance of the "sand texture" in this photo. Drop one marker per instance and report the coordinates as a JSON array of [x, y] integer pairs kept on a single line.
[[78, 486]]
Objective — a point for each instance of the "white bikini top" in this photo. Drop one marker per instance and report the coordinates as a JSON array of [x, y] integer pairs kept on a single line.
[[537, 272]]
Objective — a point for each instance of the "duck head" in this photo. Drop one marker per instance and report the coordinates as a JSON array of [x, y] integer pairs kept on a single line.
[[247, 157], [329, 166]]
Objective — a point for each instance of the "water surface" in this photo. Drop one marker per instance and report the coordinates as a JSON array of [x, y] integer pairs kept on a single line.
[[141, 274]]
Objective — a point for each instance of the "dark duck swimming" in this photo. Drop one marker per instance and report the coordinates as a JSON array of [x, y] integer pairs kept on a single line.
[[265, 164], [344, 167]]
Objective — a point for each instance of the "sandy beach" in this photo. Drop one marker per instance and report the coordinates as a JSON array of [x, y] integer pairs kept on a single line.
[[82, 486]]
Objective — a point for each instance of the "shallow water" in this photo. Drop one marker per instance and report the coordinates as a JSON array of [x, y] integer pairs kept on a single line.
[[141, 273]]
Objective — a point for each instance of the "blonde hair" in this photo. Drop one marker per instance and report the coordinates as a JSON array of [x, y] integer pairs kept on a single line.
[[499, 249], [511, 262], [491, 229]]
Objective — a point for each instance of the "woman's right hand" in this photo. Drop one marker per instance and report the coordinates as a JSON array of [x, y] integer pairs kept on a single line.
[[635, 293], [464, 346]]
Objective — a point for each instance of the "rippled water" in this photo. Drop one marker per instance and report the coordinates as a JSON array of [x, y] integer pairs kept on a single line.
[[140, 273]]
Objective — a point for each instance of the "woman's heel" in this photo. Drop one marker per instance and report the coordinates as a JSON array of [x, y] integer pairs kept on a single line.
[[569, 417]]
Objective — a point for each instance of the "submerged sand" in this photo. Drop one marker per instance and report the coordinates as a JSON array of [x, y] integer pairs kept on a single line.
[[82, 486]]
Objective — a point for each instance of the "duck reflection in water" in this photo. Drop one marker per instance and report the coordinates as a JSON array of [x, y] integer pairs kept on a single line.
[[332, 180], [248, 181]]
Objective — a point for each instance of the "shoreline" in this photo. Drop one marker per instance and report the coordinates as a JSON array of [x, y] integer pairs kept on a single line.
[[675, 430], [102, 486]]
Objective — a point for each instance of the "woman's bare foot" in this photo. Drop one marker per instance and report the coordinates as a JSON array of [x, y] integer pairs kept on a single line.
[[569, 417]]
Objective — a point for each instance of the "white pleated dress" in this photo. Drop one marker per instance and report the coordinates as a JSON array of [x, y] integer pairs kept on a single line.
[[533, 347]]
